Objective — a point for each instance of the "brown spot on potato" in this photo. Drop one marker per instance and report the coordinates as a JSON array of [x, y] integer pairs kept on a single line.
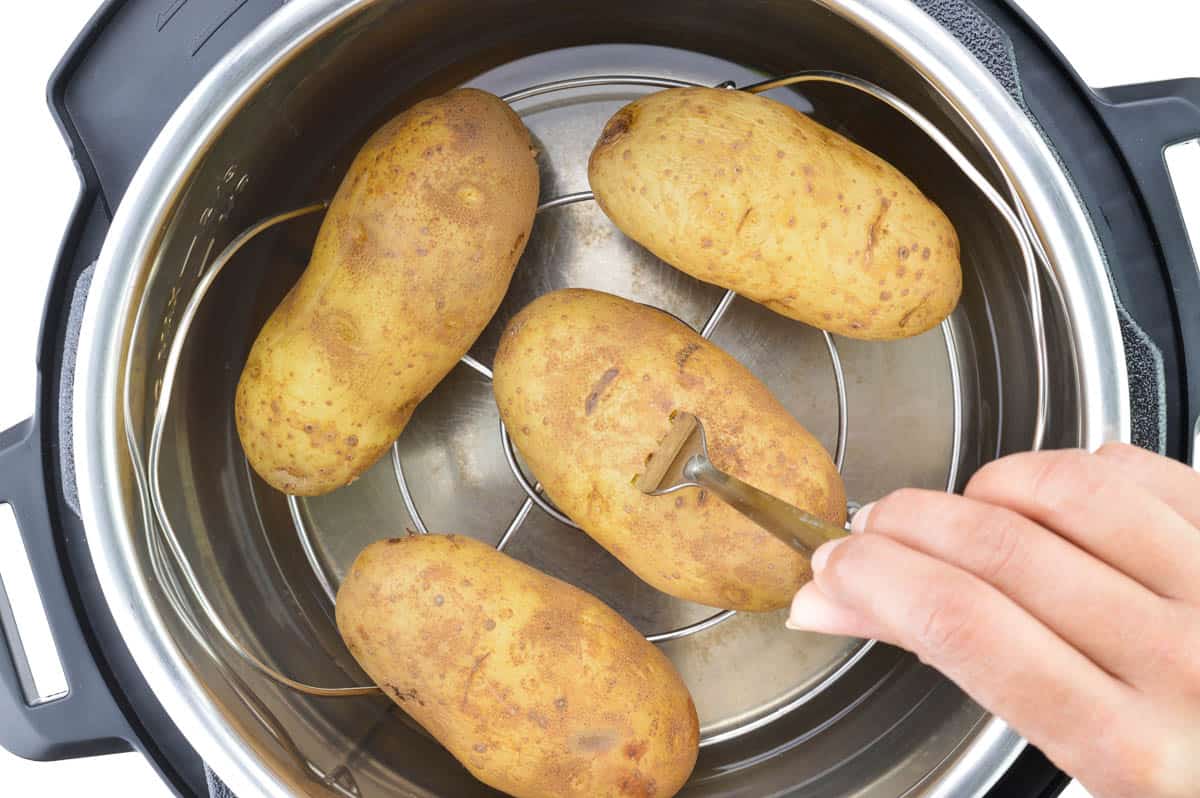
[[637, 785], [907, 317], [404, 696], [685, 354], [597, 742], [706, 243], [616, 128], [635, 750], [873, 232], [745, 216], [884, 296], [479, 662], [516, 247], [598, 390]]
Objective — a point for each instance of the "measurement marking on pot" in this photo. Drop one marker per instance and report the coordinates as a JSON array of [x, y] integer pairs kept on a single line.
[[167, 14], [207, 35]]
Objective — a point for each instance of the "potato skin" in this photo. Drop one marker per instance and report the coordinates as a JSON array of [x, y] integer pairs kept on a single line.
[[412, 259], [585, 383], [536, 687], [750, 194]]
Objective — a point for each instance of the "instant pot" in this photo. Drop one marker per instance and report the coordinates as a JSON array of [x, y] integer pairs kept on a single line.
[[207, 642]]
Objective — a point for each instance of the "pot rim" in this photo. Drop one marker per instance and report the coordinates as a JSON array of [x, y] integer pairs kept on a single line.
[[102, 464]]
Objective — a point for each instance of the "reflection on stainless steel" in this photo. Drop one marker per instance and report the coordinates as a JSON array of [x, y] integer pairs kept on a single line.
[[881, 725], [406, 494], [596, 81], [310, 553], [839, 453]]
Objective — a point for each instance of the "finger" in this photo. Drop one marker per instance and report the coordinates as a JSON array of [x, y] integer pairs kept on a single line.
[[1106, 615], [1172, 482], [816, 612], [1088, 500], [999, 654]]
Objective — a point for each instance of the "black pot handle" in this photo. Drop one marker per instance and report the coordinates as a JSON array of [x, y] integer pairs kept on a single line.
[[85, 720], [1143, 121]]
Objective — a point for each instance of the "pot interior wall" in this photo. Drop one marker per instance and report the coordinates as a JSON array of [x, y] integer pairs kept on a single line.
[[887, 724]]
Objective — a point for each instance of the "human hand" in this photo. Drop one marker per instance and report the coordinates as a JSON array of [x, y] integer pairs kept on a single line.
[[1062, 592]]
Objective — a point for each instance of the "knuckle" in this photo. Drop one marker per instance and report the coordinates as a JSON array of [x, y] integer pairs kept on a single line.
[[905, 497], [998, 478], [1117, 450], [989, 478], [946, 630], [999, 548], [899, 509], [1064, 478]]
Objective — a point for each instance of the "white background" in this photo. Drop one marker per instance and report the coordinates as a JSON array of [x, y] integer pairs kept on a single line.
[[1109, 42]]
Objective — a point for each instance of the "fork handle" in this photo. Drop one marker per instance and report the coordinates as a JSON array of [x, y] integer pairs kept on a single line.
[[800, 530]]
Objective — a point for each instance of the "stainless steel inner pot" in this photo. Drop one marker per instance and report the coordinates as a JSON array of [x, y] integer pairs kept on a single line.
[[274, 126]]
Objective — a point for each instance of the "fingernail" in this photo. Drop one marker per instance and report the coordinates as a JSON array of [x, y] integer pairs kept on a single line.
[[821, 555], [859, 524], [811, 612]]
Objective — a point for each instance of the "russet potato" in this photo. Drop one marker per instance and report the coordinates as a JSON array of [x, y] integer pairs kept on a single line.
[[586, 383], [412, 259], [749, 194], [537, 688]]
